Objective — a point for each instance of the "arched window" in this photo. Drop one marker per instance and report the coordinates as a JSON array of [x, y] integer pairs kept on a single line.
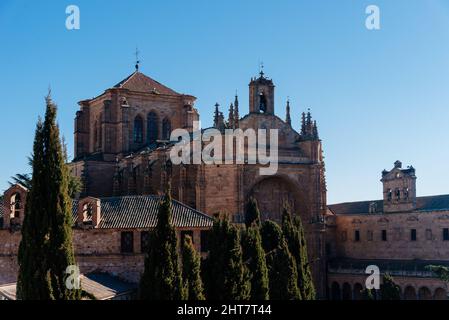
[[262, 102], [335, 291], [138, 130], [398, 194], [347, 292], [16, 205], [166, 129], [406, 192], [152, 128], [358, 292]]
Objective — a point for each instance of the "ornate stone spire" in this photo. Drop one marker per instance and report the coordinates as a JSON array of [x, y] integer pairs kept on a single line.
[[216, 115], [288, 119], [303, 124], [218, 119], [315, 131], [231, 122], [309, 128], [236, 111]]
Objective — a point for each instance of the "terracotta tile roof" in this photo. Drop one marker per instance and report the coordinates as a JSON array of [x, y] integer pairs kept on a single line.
[[141, 212], [139, 82], [429, 203]]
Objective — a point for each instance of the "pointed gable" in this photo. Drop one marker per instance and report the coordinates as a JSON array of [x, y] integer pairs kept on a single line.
[[139, 82]]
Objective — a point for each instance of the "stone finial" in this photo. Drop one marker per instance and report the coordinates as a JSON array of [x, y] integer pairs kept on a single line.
[[288, 119]]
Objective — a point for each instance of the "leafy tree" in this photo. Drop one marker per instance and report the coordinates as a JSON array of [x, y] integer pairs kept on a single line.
[[254, 257], [161, 279], [252, 213], [46, 248], [24, 179], [441, 271], [191, 269], [389, 290], [367, 294], [226, 276], [282, 272]]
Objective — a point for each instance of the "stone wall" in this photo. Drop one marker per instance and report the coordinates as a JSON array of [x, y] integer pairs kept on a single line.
[[429, 244], [96, 250]]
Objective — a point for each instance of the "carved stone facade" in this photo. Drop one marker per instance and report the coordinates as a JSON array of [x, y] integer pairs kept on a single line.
[[122, 148]]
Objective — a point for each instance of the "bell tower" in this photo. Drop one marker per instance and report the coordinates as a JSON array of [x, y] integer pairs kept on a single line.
[[399, 188], [261, 95]]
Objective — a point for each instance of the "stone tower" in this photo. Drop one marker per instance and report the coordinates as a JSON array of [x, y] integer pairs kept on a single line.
[[261, 95], [399, 189]]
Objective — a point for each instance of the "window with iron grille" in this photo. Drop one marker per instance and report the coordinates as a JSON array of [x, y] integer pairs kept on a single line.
[[127, 242], [413, 235], [446, 234], [204, 240]]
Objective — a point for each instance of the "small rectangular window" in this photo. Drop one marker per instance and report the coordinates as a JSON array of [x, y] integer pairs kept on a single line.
[[127, 242], [357, 235], [343, 236], [446, 234], [144, 241], [384, 235], [413, 235], [204, 240]]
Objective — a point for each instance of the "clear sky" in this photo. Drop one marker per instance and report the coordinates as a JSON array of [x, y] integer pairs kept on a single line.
[[378, 96]]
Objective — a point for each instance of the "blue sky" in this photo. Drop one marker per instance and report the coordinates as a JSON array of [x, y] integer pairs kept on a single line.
[[378, 96]]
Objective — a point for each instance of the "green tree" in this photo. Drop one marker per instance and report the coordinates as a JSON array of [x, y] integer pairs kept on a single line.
[[252, 213], [294, 235], [389, 290], [161, 279], [46, 248], [367, 294], [254, 257], [191, 271], [282, 272], [226, 276], [441, 271]]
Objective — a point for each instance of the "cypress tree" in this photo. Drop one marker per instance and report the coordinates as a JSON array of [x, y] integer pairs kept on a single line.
[[32, 282], [282, 272], [191, 268], [308, 285], [226, 276], [294, 235], [252, 213], [254, 257], [161, 279], [50, 203], [389, 290]]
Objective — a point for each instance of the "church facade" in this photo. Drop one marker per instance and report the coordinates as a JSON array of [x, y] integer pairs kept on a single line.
[[122, 148]]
